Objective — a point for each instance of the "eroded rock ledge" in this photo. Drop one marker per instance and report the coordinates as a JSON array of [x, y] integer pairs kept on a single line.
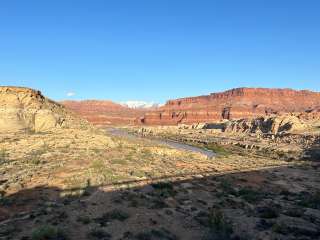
[[25, 109]]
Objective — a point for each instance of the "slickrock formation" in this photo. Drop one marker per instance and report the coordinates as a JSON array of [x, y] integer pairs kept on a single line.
[[104, 112], [274, 125], [232, 104], [25, 109]]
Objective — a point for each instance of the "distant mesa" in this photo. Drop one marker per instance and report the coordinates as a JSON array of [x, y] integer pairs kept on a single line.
[[26, 109], [105, 112], [232, 104]]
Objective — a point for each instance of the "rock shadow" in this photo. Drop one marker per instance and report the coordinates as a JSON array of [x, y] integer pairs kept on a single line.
[[273, 203]]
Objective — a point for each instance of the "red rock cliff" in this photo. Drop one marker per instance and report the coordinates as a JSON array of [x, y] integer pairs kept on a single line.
[[232, 104]]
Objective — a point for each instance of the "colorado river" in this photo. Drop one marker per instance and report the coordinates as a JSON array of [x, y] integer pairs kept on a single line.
[[170, 143]]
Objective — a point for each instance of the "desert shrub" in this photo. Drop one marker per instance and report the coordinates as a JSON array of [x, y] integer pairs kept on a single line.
[[162, 185], [98, 233], [146, 153], [310, 200], [98, 165], [227, 187], [143, 236], [280, 228], [164, 189], [35, 155], [161, 233], [138, 173], [268, 212], [294, 212], [118, 161], [3, 156], [115, 214], [5, 200], [84, 219], [218, 221], [102, 172], [35, 160], [250, 195], [159, 203], [217, 149], [219, 226], [48, 232]]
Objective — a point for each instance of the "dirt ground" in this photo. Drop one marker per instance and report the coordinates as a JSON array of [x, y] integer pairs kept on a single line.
[[77, 184]]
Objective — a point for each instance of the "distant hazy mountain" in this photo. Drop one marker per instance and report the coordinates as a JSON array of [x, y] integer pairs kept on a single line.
[[140, 104]]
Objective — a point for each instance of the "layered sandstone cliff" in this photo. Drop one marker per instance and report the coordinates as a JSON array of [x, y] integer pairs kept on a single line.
[[25, 109], [232, 104], [104, 112]]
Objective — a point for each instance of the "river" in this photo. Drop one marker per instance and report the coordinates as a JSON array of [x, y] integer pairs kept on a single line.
[[173, 144]]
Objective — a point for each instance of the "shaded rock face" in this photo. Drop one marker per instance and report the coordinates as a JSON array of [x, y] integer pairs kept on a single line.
[[233, 104], [46, 120], [103, 112], [24, 109]]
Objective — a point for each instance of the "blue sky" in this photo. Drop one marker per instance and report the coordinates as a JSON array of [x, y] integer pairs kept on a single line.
[[160, 49]]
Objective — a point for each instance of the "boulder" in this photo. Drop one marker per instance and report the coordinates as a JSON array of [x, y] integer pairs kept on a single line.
[[45, 120]]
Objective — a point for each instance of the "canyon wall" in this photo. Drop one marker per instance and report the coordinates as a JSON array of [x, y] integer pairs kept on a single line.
[[232, 104]]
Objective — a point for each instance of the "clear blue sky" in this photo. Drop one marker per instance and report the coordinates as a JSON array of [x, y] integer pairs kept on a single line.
[[155, 50]]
